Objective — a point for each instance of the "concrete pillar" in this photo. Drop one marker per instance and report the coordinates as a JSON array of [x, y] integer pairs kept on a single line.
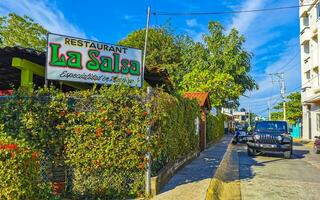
[[305, 122]]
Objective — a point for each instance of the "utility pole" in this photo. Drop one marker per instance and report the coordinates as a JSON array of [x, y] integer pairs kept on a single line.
[[283, 94], [269, 110], [149, 91], [280, 79]]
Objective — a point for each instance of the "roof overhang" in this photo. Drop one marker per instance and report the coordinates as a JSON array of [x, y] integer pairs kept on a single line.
[[13, 59]]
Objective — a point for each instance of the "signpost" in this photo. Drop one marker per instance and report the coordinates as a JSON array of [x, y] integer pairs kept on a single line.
[[86, 61]]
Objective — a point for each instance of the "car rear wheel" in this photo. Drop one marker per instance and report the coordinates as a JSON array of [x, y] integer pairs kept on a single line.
[[251, 152], [287, 154]]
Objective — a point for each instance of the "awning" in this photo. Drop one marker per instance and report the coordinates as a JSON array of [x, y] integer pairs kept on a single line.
[[202, 97], [313, 100]]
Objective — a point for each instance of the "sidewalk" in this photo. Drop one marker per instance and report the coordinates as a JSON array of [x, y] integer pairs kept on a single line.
[[193, 180]]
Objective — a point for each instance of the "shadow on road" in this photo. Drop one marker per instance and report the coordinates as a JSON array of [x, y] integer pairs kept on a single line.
[[246, 162]]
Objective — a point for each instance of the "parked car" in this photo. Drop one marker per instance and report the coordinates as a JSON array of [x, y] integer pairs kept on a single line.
[[316, 145], [270, 136], [240, 136]]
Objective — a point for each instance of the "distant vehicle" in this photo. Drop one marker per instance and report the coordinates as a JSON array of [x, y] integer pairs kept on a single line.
[[240, 135], [270, 136], [316, 145]]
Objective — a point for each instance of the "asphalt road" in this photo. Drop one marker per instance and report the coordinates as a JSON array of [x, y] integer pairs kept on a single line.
[[270, 176]]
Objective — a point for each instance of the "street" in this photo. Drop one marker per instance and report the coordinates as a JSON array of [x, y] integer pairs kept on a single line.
[[270, 176]]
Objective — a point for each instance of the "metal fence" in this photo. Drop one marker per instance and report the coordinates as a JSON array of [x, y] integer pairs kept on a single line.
[[118, 183]]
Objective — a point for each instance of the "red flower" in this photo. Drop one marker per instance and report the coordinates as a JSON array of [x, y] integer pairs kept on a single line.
[[129, 132], [99, 132], [34, 155], [8, 147], [62, 113], [145, 114], [12, 146]]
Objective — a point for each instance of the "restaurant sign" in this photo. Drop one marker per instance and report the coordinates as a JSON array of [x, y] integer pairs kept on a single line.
[[86, 61]]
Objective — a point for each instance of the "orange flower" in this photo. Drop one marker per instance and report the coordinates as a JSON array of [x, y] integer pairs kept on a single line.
[[34, 155], [97, 163], [129, 132], [145, 114], [62, 113], [61, 126], [77, 130], [99, 132], [141, 166]]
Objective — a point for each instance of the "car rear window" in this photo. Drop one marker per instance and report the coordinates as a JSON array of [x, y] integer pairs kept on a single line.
[[271, 126]]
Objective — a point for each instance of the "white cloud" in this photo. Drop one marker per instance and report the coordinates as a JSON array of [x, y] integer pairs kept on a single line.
[[191, 22], [197, 36], [291, 74], [43, 13], [243, 21]]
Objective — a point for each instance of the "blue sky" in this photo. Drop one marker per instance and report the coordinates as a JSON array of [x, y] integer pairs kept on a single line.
[[273, 37]]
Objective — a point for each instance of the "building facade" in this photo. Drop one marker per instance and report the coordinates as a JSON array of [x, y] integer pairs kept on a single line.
[[310, 96]]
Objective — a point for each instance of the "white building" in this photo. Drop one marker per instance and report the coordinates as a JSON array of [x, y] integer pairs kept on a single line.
[[310, 96], [240, 116]]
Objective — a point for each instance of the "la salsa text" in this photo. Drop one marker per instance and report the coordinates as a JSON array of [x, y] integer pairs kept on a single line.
[[73, 59]]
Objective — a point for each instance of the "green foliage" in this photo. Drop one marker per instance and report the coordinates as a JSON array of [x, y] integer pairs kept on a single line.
[[215, 127], [22, 31], [220, 66], [293, 108], [162, 48], [20, 171], [101, 133], [24, 115], [174, 133], [106, 145]]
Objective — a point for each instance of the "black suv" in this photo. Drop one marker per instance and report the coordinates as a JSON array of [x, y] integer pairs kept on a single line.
[[270, 136]]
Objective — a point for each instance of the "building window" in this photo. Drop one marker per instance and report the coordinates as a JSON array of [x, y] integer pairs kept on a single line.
[[308, 75], [306, 48], [305, 21], [318, 11]]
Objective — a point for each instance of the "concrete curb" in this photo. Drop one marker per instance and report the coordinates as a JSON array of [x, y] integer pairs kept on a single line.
[[226, 182], [157, 182]]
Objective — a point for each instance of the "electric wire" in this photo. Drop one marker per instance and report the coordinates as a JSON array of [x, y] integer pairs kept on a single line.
[[230, 12]]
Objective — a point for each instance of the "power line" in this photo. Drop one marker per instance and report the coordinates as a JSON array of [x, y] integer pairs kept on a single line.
[[230, 12], [290, 61]]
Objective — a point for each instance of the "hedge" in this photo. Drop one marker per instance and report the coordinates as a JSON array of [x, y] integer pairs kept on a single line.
[[215, 127], [20, 171], [101, 134], [175, 133]]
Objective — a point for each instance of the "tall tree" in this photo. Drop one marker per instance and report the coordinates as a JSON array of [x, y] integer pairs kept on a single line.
[[293, 108], [219, 66], [223, 69], [22, 31]]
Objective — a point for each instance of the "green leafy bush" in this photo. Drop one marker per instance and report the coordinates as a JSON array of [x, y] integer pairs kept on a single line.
[[174, 134], [106, 142], [101, 134], [215, 127], [20, 171], [36, 118]]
